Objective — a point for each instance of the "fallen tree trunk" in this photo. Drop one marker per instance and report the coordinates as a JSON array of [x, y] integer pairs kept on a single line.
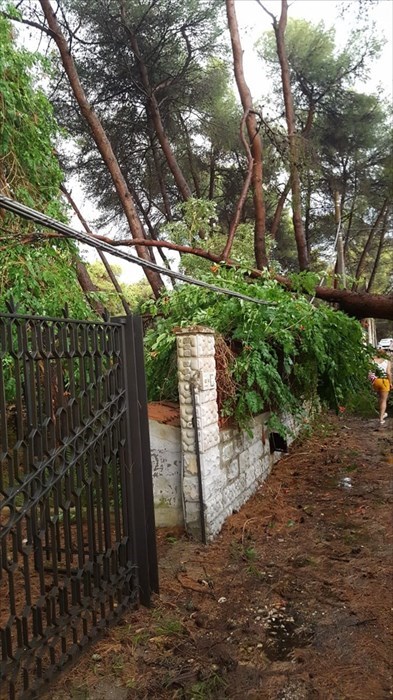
[[357, 304]]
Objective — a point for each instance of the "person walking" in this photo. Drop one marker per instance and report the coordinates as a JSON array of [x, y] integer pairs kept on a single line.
[[381, 380]]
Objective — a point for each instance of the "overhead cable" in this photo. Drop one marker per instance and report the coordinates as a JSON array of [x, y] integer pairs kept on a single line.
[[43, 220]]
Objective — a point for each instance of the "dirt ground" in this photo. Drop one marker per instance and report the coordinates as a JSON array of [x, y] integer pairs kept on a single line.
[[292, 601]]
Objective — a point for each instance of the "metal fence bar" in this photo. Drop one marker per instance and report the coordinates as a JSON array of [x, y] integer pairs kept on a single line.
[[76, 540], [146, 457], [135, 459]]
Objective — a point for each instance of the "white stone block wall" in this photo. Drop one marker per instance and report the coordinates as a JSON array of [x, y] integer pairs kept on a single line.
[[233, 463], [166, 459], [197, 370]]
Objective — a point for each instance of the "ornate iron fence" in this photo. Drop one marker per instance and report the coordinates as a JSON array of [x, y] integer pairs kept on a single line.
[[77, 542]]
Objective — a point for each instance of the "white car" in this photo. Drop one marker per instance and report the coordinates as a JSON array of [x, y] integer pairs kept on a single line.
[[386, 344]]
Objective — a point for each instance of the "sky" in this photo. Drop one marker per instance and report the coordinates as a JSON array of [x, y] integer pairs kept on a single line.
[[253, 21]]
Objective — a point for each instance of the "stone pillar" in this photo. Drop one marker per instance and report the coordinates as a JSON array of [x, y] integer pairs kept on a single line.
[[196, 367]]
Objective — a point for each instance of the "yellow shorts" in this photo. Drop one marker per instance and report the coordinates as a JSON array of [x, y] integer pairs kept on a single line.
[[380, 384]]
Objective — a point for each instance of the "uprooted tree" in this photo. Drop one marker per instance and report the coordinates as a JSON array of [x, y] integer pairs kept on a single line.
[[152, 132]]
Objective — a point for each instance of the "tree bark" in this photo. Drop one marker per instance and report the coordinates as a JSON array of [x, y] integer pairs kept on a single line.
[[153, 111], [340, 278], [366, 248], [307, 215], [358, 304], [254, 138], [287, 188], [379, 251], [279, 31], [212, 172], [101, 140], [149, 225], [157, 165], [279, 209], [190, 155], [243, 195], [350, 219], [88, 286]]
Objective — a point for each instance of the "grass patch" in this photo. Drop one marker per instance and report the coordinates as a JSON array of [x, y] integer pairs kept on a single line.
[[351, 468], [169, 628], [255, 572], [249, 553], [207, 689]]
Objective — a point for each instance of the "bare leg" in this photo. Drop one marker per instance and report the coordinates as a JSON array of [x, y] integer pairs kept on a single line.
[[383, 399]]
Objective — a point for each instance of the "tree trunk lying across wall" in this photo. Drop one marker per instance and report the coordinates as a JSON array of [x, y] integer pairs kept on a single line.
[[357, 304]]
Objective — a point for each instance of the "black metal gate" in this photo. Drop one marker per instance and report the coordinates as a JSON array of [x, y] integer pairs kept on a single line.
[[76, 503]]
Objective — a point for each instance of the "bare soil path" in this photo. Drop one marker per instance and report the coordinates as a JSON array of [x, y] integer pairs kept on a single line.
[[293, 601]]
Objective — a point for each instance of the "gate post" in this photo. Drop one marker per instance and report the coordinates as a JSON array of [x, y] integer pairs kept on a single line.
[[146, 455], [139, 473], [201, 474]]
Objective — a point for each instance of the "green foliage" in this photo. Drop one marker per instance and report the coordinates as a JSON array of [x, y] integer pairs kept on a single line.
[[169, 628], [344, 148], [198, 227], [197, 222], [318, 69], [304, 282], [40, 276], [41, 279], [285, 352], [28, 166], [134, 294], [178, 44]]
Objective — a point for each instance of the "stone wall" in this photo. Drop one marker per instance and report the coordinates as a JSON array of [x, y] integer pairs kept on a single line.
[[166, 459], [232, 463], [187, 440], [244, 463], [200, 443]]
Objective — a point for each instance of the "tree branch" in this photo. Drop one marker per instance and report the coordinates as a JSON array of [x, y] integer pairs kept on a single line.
[[153, 109], [359, 305], [102, 256], [246, 186], [101, 139], [367, 245], [271, 15], [29, 23], [254, 138], [379, 252], [279, 209]]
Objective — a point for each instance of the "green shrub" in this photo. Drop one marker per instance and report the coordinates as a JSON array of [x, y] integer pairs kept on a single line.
[[283, 353]]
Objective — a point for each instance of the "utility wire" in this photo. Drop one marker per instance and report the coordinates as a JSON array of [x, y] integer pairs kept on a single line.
[[47, 221]]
